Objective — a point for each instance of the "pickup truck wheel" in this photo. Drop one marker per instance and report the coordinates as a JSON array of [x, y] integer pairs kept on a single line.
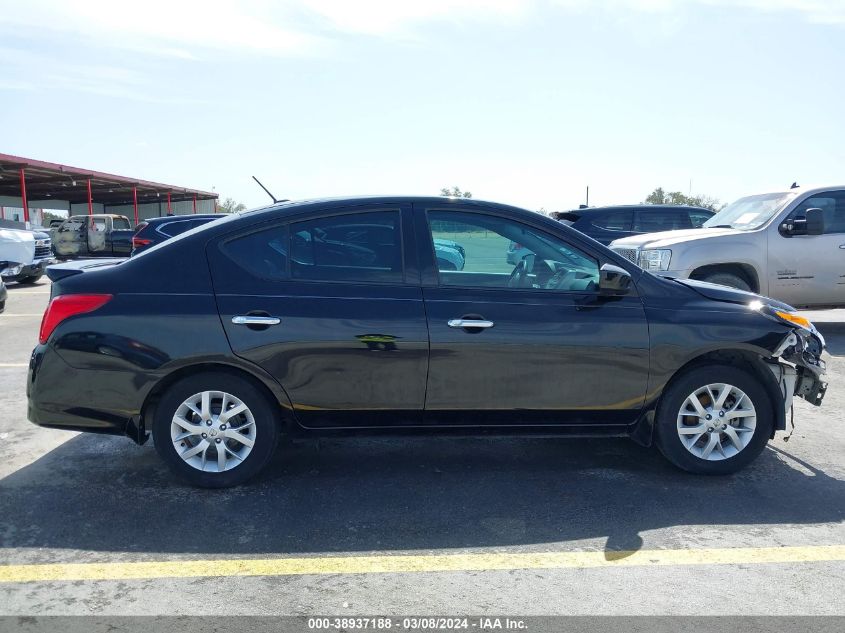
[[215, 430], [728, 279], [714, 420]]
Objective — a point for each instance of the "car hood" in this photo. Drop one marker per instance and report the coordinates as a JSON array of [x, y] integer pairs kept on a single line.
[[17, 246], [668, 238], [731, 295]]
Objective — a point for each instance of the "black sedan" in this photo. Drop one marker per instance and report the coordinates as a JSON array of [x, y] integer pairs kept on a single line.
[[271, 322]]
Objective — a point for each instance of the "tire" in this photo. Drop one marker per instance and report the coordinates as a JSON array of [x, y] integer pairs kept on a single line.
[[728, 279], [30, 280], [444, 264], [258, 424], [725, 457]]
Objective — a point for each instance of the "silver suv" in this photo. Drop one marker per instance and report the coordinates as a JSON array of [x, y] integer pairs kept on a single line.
[[788, 245]]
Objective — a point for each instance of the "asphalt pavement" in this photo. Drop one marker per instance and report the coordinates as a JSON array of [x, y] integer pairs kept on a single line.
[[96, 525]]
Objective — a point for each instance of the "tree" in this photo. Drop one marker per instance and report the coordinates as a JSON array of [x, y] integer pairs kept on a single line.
[[230, 206], [46, 216], [455, 192], [659, 196]]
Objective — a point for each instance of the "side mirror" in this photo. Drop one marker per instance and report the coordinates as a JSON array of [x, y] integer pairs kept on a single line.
[[815, 222], [614, 280], [811, 223]]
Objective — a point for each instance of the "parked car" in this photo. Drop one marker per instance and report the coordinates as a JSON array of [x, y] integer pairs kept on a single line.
[[788, 244], [3, 294], [605, 224], [99, 235], [449, 254], [247, 343], [24, 255], [156, 230]]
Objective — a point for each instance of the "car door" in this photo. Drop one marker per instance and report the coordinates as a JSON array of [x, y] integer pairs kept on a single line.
[[97, 230], [536, 347], [70, 237], [807, 270], [334, 314]]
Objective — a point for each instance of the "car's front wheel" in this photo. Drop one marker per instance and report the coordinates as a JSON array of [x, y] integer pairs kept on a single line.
[[215, 429], [714, 420]]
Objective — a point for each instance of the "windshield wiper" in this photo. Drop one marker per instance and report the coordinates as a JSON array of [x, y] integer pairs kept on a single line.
[[721, 226]]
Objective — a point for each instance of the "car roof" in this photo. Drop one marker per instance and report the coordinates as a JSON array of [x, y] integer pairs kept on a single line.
[[641, 207], [299, 205]]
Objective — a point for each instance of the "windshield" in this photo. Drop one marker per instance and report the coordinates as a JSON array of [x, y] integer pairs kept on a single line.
[[751, 212]]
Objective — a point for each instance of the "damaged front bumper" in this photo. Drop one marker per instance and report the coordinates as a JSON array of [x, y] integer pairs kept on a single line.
[[798, 367]]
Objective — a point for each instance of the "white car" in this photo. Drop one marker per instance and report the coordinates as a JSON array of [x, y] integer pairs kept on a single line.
[[788, 245]]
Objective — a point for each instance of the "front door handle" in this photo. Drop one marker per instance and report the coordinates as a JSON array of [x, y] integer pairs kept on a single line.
[[842, 246], [471, 323], [251, 319]]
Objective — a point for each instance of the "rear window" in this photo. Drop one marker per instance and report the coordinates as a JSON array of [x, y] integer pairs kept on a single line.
[[121, 224]]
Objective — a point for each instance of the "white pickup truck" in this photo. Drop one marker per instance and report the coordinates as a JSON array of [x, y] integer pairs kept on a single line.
[[788, 245]]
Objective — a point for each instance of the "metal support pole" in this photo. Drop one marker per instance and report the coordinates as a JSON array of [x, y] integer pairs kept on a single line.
[[169, 208], [135, 203], [23, 197], [195, 203], [90, 199]]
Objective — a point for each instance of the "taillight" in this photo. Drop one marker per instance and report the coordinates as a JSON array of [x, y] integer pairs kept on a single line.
[[140, 241], [66, 306]]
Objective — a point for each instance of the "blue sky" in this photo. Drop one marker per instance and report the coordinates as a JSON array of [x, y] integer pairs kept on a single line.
[[525, 102]]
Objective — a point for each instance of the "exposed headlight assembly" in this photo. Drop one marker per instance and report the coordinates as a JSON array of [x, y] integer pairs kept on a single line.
[[11, 271], [654, 259]]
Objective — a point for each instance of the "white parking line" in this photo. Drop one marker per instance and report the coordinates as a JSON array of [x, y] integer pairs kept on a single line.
[[14, 364], [21, 315]]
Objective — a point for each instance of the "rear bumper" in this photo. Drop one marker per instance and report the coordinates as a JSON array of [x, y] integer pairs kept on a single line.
[[64, 397]]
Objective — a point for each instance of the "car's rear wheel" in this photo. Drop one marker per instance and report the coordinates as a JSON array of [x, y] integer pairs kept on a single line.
[[714, 420], [215, 429]]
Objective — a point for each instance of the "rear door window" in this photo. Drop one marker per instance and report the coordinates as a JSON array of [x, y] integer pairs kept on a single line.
[[356, 247], [121, 224], [613, 220], [654, 220]]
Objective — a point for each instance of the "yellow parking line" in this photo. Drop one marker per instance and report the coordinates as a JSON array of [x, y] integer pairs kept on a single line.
[[14, 364], [415, 563], [6, 314]]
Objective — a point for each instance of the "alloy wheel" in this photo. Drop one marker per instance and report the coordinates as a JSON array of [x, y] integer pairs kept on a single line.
[[716, 421], [213, 431]]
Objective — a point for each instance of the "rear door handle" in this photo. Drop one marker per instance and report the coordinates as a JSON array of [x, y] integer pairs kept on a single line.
[[462, 323], [255, 320]]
